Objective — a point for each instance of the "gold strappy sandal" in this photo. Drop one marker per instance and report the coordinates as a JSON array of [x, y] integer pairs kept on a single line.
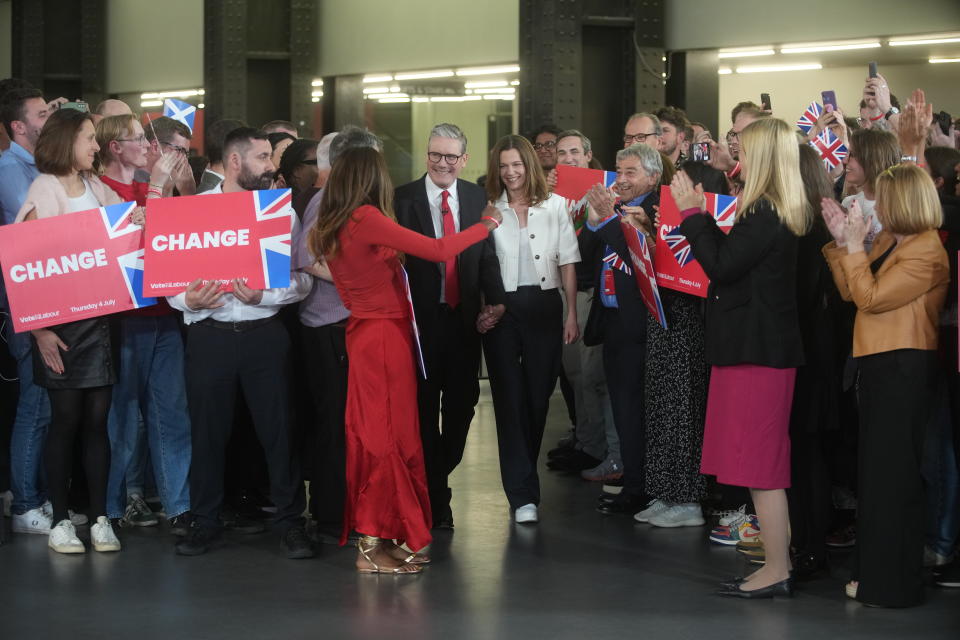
[[367, 545]]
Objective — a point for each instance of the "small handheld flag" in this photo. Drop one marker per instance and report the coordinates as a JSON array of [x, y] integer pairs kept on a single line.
[[180, 111], [831, 149], [810, 117]]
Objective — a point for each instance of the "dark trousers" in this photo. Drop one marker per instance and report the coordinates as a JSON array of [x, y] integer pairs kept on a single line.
[[810, 493], [523, 359], [325, 356], [624, 361], [446, 403], [218, 363], [896, 392]]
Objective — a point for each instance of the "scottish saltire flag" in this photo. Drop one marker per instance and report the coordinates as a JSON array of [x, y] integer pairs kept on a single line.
[[616, 262], [180, 111], [679, 246], [421, 363], [275, 250], [810, 116], [118, 222], [723, 208], [831, 149]]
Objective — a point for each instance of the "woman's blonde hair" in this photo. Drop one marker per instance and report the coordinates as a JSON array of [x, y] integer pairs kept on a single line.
[[907, 200], [772, 168], [359, 176], [112, 128]]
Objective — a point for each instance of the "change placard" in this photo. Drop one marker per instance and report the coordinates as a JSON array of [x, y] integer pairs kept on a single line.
[[72, 267]]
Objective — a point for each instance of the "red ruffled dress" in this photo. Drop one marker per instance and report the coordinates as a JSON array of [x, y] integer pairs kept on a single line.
[[386, 482]]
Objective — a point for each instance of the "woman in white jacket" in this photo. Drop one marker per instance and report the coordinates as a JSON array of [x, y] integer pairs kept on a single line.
[[537, 249]]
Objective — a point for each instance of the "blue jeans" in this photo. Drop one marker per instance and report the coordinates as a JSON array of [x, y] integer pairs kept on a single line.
[[150, 385], [29, 430], [942, 479]]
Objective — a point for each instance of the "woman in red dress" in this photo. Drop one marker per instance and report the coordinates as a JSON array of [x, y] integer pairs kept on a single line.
[[357, 233]]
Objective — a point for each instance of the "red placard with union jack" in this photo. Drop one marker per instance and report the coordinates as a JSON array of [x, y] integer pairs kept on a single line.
[[244, 235], [72, 267], [676, 267]]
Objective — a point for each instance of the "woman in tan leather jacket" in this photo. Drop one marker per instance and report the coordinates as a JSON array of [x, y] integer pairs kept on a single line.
[[899, 289]]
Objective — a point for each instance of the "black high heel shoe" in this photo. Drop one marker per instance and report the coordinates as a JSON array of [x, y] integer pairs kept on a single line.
[[782, 589]]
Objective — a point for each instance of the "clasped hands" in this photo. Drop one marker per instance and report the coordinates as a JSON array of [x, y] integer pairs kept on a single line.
[[207, 296], [489, 316]]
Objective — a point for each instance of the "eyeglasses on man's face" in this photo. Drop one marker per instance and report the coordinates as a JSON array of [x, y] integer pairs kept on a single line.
[[638, 138], [549, 144], [175, 148], [449, 158], [141, 139]]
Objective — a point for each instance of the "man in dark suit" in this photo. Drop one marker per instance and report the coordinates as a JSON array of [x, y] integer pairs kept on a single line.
[[618, 315], [447, 302]]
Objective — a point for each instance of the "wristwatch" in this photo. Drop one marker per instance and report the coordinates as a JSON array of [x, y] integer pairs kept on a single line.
[[893, 111]]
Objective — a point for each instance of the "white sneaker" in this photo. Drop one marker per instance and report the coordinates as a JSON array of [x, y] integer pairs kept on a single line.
[[654, 507], [33, 521], [63, 538], [6, 498], [679, 515], [78, 519], [526, 513], [727, 518], [102, 535]]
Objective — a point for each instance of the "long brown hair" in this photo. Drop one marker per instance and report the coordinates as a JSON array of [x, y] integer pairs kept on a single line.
[[359, 176], [535, 190], [816, 183]]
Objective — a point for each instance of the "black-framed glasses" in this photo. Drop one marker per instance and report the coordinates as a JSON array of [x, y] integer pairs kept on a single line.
[[549, 144], [141, 139], [176, 148], [638, 138], [449, 158]]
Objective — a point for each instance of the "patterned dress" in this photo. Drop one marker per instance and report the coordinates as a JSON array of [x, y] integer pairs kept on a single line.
[[676, 400]]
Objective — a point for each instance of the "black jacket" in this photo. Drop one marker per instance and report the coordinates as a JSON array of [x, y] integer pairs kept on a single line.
[[751, 314], [629, 302], [478, 266]]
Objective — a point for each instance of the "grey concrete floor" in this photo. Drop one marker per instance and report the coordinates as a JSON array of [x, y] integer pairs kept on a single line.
[[577, 574]]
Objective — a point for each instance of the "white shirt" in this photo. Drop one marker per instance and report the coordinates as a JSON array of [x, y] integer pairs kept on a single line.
[[83, 202], [552, 239], [435, 199], [233, 310]]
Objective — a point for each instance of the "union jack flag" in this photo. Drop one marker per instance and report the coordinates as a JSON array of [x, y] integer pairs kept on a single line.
[[616, 262], [723, 208], [810, 117], [275, 250], [118, 222], [679, 246], [831, 149]]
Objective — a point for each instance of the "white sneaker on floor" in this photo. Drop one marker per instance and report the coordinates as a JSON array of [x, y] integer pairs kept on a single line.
[[78, 519], [679, 515], [526, 513], [727, 518], [63, 538], [102, 535], [6, 498], [654, 508], [33, 521]]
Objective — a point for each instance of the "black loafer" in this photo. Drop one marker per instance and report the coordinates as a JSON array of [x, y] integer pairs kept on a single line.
[[623, 504], [782, 589], [733, 583]]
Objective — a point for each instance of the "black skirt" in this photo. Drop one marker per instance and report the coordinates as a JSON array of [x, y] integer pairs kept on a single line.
[[91, 360]]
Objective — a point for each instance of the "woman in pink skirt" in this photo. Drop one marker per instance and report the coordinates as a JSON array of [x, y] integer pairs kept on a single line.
[[753, 335]]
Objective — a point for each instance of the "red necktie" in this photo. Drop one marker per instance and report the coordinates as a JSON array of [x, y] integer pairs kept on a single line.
[[451, 291]]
